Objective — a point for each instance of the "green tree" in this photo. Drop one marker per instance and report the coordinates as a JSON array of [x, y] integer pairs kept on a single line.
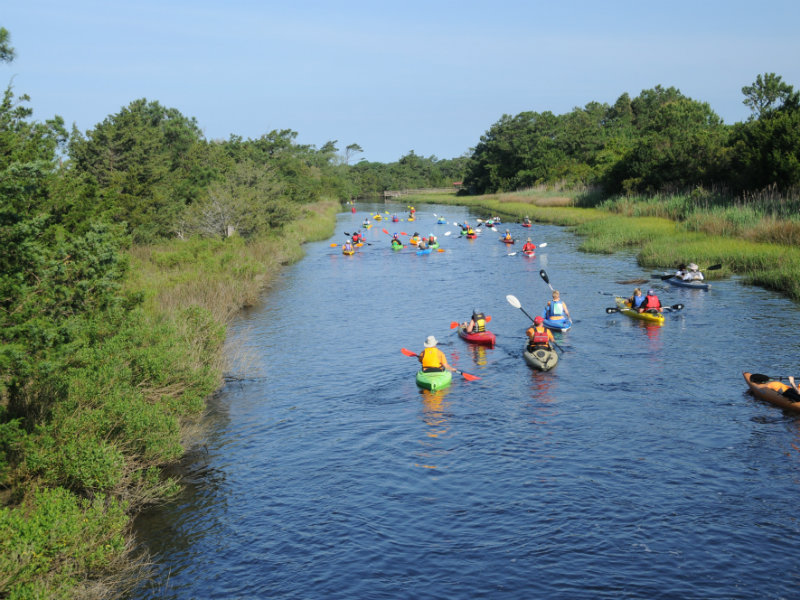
[[7, 53], [767, 93]]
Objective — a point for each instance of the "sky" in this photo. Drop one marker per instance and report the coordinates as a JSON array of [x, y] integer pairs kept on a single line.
[[393, 77]]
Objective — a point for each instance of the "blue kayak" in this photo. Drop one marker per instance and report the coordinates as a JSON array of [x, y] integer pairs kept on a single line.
[[426, 251], [558, 325]]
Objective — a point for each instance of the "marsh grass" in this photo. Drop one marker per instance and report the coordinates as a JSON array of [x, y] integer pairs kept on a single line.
[[757, 236]]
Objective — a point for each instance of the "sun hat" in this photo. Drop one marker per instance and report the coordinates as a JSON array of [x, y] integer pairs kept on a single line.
[[651, 292], [430, 341], [538, 320], [693, 267]]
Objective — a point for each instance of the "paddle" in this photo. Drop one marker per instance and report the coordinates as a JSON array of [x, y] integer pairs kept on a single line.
[[466, 376], [515, 253], [711, 268], [454, 324], [650, 310], [544, 276], [512, 300]]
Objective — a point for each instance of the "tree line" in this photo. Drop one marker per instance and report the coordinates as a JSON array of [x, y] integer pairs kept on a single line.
[[659, 141]]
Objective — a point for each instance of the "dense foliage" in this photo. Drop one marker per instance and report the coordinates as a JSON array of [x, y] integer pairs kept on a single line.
[[659, 141]]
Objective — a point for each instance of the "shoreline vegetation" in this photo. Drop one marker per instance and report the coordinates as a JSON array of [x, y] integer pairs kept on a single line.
[[738, 237], [153, 376]]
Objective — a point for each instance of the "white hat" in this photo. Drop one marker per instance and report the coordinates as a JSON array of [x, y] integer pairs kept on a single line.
[[693, 267], [430, 341]]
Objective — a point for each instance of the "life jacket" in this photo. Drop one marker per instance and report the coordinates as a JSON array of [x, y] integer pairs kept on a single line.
[[651, 302], [432, 359], [540, 338], [636, 301], [529, 247], [480, 323], [508, 235], [555, 309]]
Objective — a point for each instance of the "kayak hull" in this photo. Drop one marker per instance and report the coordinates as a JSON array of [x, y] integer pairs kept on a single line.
[[348, 252], [484, 338], [694, 285], [657, 318], [441, 222], [526, 224], [436, 380], [426, 251], [540, 359], [529, 253], [760, 390], [505, 241], [397, 246], [558, 324]]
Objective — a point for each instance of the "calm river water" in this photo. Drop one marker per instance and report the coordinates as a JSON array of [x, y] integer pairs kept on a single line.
[[638, 468]]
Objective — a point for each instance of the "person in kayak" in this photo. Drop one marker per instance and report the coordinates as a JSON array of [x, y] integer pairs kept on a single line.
[[526, 220], [636, 301], [651, 303], [791, 392], [529, 246], [556, 310], [396, 241], [432, 240], [357, 237], [432, 359], [507, 236], [693, 273], [539, 336], [347, 246], [476, 324]]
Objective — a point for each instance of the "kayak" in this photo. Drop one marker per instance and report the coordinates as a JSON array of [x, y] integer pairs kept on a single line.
[[695, 285], [434, 246], [760, 390], [526, 224], [441, 222], [558, 324], [633, 314], [529, 252], [397, 246], [395, 220], [377, 217], [484, 338], [505, 241], [410, 218], [348, 252], [425, 251], [434, 380], [540, 359], [471, 236]]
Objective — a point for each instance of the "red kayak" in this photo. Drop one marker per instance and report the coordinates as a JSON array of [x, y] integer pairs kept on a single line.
[[507, 241], [485, 338]]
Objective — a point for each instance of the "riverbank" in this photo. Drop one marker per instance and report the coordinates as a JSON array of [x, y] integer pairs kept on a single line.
[[662, 243], [133, 395]]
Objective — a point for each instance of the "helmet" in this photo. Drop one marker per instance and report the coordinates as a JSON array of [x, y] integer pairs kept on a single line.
[[538, 320]]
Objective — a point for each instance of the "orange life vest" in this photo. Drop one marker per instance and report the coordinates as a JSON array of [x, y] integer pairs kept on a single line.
[[432, 358]]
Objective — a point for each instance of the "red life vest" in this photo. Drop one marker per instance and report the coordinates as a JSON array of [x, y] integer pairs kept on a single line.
[[540, 337], [651, 302]]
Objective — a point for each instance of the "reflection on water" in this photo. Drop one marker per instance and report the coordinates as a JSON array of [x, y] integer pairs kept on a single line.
[[478, 353], [435, 416]]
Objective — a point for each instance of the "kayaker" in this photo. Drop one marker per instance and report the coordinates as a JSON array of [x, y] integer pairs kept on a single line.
[[433, 359], [421, 245], [526, 220], [529, 246], [476, 324], [396, 241], [507, 236], [556, 309], [357, 237], [693, 273], [681, 271], [431, 240], [348, 246], [539, 336], [651, 302], [791, 392], [636, 300]]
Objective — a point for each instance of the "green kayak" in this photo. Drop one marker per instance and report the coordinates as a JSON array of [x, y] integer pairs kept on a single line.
[[435, 380]]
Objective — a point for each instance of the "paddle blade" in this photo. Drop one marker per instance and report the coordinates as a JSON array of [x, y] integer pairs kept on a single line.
[[447, 233], [386, 232], [676, 306], [408, 352], [512, 300], [542, 245], [453, 324], [468, 377], [612, 310], [488, 318], [714, 268], [512, 254], [334, 245], [440, 249], [544, 276]]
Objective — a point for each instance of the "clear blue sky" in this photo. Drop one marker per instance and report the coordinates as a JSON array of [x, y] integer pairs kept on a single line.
[[392, 77]]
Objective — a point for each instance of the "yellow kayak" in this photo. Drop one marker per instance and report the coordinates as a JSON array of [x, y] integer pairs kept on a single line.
[[625, 309]]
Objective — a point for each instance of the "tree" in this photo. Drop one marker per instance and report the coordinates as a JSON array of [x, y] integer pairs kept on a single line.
[[350, 151], [767, 93], [7, 53]]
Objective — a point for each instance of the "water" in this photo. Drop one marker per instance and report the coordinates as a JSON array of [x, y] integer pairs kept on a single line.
[[638, 468]]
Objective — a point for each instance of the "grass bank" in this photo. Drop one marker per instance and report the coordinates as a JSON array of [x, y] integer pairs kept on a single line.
[[137, 382], [760, 244]]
